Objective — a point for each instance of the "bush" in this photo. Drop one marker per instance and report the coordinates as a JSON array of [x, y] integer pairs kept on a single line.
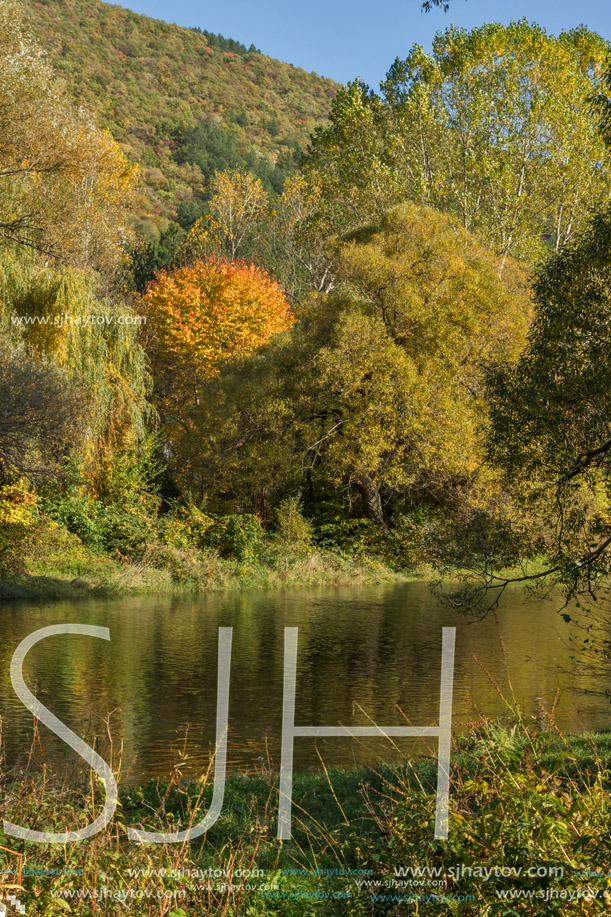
[[294, 531], [18, 520], [401, 545], [342, 534], [185, 527], [106, 527], [239, 536], [185, 566]]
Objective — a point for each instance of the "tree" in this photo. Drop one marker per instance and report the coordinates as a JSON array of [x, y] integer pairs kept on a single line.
[[200, 317], [494, 126], [237, 207], [421, 310], [294, 241], [64, 184], [350, 160], [208, 146], [551, 430], [40, 414], [149, 258], [378, 390], [57, 317]]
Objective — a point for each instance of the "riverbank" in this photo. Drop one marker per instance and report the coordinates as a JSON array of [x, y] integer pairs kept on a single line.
[[57, 564], [528, 813], [107, 577]]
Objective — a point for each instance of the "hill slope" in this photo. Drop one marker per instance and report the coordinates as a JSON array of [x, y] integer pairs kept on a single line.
[[150, 81]]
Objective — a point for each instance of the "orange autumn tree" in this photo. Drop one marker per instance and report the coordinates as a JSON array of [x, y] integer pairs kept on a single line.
[[200, 317]]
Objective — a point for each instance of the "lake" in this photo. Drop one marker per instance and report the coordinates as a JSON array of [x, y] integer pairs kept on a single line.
[[367, 654]]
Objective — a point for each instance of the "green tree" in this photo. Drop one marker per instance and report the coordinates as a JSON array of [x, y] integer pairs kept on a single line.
[[379, 389], [148, 258], [550, 410], [494, 126]]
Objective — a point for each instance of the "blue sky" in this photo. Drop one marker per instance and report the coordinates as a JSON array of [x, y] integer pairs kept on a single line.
[[348, 38]]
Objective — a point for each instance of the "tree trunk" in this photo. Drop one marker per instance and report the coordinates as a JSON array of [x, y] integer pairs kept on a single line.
[[370, 495]]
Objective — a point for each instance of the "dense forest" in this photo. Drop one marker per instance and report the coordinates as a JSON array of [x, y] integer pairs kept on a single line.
[[390, 350]]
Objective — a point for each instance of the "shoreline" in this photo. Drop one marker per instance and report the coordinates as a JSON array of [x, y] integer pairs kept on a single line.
[[318, 569]]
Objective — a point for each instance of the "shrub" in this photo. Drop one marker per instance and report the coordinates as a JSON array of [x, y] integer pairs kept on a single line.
[[239, 536], [106, 527], [294, 531], [401, 545], [18, 520], [185, 527], [342, 534]]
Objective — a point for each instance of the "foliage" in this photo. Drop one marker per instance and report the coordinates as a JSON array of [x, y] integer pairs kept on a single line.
[[294, 531], [123, 513], [296, 240], [64, 184], [107, 527], [494, 126], [283, 233], [601, 106], [149, 82], [406, 322], [40, 414], [235, 212], [238, 536], [550, 409], [213, 149], [185, 527], [428, 5], [380, 385], [201, 316], [518, 799], [18, 518], [401, 546], [148, 258], [84, 342], [216, 40]]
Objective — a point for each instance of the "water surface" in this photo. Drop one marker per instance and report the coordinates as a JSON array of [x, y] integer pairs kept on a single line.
[[365, 654]]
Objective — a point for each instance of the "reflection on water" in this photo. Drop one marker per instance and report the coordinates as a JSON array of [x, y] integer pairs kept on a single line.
[[365, 654]]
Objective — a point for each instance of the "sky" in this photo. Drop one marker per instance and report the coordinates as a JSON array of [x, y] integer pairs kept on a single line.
[[344, 39]]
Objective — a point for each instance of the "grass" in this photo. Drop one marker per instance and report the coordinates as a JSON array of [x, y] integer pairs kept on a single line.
[[58, 565], [519, 799]]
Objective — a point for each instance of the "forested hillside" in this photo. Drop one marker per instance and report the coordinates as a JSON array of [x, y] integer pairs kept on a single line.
[[152, 83]]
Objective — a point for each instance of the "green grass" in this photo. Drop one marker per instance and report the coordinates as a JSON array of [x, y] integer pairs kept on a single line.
[[518, 799], [59, 565]]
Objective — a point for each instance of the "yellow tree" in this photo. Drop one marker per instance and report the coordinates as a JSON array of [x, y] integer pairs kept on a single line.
[[239, 204], [380, 389], [64, 185], [200, 317]]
